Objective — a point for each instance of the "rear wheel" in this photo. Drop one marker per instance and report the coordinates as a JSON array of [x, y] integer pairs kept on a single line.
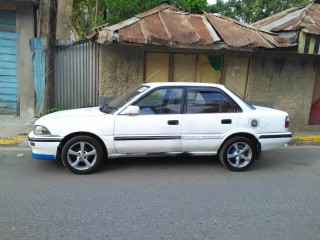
[[82, 154], [237, 154]]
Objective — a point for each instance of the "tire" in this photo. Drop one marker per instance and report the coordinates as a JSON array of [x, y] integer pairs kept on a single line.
[[82, 154], [237, 154]]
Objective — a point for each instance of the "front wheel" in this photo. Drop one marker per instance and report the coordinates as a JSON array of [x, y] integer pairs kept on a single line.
[[237, 154], [82, 154]]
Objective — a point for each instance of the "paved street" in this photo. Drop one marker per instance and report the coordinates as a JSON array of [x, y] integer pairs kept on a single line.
[[162, 198]]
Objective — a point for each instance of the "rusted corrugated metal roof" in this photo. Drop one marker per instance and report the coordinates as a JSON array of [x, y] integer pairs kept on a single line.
[[166, 25], [305, 17]]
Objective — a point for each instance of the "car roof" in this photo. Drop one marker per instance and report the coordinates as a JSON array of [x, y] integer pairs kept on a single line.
[[192, 84]]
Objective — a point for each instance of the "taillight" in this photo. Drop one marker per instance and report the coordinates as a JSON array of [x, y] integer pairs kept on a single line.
[[287, 123]]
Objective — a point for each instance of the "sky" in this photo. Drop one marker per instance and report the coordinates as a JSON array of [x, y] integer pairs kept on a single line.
[[211, 1]]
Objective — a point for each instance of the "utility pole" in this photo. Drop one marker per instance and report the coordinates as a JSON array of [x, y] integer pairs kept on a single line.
[[50, 53]]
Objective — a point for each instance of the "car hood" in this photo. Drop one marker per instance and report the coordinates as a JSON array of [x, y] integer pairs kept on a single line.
[[74, 113]]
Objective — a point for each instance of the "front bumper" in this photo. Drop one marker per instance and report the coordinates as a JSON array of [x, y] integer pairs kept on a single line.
[[44, 147]]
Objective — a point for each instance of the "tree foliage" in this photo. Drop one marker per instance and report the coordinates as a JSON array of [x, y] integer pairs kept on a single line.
[[250, 11], [88, 14], [119, 10]]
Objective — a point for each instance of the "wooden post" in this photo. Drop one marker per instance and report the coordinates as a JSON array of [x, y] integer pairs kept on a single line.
[[50, 53]]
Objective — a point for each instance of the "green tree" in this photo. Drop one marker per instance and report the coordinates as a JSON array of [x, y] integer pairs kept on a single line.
[[119, 10], [250, 11], [87, 14]]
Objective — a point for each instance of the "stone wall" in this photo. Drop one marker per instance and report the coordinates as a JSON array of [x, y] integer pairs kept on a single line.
[[121, 69], [284, 81]]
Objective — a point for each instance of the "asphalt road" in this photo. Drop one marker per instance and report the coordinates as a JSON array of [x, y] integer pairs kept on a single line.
[[162, 198]]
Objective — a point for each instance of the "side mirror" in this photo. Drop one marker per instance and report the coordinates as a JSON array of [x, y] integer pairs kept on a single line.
[[131, 110]]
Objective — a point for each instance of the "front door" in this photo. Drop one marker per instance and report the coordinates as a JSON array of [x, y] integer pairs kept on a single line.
[[157, 129]]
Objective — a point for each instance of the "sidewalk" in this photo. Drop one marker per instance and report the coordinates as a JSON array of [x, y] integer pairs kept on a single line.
[[15, 130]]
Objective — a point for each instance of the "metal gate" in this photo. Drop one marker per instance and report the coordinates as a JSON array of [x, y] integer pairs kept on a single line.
[[76, 75]]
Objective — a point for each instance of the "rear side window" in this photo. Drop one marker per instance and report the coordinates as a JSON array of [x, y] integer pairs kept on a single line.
[[204, 101]]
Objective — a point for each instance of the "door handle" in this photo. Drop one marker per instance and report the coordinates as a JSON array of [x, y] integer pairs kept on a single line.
[[226, 121], [173, 122]]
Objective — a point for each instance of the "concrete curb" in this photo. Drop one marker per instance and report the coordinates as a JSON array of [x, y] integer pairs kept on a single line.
[[11, 140], [306, 139]]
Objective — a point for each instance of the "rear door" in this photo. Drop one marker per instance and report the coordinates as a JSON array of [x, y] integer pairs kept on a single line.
[[208, 115]]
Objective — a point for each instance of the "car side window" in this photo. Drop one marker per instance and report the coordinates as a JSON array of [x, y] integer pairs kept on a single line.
[[161, 101], [203, 101]]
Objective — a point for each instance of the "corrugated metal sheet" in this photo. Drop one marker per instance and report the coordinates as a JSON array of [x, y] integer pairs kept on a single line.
[[165, 25], [237, 35], [301, 22], [179, 28], [155, 10], [76, 75], [305, 17]]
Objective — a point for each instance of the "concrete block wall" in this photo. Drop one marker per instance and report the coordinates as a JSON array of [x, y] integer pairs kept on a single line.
[[121, 69], [284, 81]]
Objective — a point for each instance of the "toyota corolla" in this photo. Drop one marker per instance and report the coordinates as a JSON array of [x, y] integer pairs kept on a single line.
[[162, 119]]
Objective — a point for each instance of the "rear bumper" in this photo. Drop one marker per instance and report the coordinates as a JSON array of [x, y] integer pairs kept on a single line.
[[274, 140]]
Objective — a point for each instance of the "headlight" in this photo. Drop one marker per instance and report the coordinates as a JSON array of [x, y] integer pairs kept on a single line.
[[40, 130]]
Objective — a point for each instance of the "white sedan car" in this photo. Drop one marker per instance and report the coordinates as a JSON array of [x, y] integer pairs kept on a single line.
[[162, 119]]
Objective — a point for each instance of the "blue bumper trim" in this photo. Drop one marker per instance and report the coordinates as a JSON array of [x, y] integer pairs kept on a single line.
[[43, 156]]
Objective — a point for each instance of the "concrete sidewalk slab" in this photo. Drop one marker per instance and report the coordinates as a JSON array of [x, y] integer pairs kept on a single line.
[[14, 129]]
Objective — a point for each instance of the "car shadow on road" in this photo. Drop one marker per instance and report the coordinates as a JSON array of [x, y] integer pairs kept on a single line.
[[275, 160], [181, 162]]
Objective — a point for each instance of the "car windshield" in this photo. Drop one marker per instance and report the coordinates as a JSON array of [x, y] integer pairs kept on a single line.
[[122, 100]]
